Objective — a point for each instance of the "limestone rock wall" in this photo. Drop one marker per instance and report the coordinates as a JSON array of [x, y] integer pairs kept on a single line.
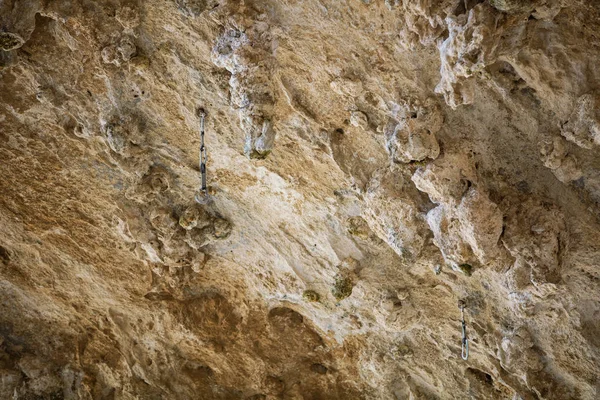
[[371, 164]]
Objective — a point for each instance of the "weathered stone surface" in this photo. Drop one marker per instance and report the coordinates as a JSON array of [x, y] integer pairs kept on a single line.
[[583, 126], [10, 41], [370, 164], [413, 138], [481, 224], [556, 157]]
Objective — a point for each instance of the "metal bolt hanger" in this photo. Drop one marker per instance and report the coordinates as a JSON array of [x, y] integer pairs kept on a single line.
[[202, 195], [465, 342]]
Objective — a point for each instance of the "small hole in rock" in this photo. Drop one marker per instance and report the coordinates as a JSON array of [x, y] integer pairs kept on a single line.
[[319, 368], [4, 254]]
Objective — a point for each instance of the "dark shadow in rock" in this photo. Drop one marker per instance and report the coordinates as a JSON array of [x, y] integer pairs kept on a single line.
[[5, 255], [158, 296], [319, 368]]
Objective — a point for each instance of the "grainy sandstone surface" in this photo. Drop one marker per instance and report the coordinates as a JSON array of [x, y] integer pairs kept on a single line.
[[371, 164]]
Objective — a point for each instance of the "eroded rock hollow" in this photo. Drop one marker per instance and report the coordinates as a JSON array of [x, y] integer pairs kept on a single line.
[[371, 165]]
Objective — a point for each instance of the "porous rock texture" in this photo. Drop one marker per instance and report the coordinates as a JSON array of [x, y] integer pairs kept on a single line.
[[371, 164]]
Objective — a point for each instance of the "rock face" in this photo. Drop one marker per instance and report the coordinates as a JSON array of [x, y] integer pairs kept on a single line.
[[371, 164]]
